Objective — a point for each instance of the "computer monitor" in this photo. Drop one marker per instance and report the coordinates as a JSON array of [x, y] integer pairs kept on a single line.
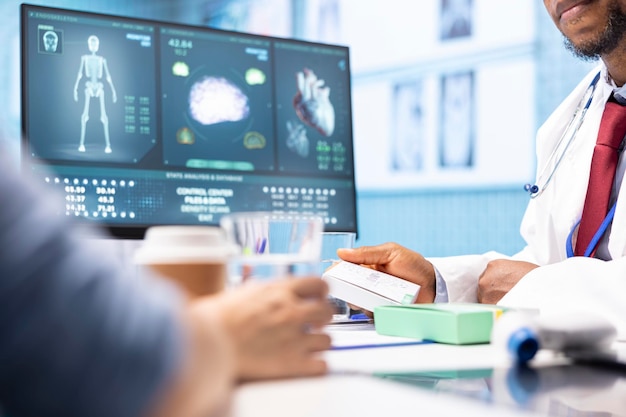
[[142, 122]]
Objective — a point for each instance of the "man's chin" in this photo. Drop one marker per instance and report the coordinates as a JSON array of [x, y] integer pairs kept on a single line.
[[590, 44], [586, 52]]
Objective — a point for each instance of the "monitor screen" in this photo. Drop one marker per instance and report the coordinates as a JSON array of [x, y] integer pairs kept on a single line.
[[140, 122]]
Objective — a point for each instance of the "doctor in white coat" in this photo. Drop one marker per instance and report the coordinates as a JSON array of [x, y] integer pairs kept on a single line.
[[542, 275]]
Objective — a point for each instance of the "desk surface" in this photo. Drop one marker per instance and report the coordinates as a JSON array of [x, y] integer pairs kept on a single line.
[[435, 380]]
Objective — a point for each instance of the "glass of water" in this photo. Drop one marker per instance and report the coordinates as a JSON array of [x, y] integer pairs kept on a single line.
[[271, 246], [331, 241]]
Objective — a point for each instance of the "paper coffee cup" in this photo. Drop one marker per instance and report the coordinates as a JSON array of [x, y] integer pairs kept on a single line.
[[193, 257]]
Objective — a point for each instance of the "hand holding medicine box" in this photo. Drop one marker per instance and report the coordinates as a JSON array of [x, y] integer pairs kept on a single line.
[[395, 314], [367, 288]]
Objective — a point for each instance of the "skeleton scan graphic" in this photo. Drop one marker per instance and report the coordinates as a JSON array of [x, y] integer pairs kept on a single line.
[[94, 67]]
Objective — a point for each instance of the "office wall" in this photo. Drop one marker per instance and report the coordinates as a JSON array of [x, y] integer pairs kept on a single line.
[[399, 52], [444, 222]]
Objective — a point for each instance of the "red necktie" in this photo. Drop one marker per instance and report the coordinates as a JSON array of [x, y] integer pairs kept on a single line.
[[603, 165]]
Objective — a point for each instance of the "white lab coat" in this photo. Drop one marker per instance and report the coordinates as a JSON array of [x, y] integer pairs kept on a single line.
[[560, 284]]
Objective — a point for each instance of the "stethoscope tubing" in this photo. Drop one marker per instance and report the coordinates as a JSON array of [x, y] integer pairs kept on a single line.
[[576, 121], [535, 190]]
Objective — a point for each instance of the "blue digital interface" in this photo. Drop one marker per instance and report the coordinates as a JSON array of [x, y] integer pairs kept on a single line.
[[140, 123]]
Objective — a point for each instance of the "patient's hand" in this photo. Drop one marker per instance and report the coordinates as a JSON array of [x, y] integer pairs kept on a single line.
[[275, 328], [499, 277]]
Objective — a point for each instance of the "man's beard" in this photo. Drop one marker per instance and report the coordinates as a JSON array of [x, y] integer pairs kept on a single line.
[[607, 41]]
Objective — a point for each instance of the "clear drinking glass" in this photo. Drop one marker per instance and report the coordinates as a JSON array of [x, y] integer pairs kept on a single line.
[[272, 246], [331, 241]]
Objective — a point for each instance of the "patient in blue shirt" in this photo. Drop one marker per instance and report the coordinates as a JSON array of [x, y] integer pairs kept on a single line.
[[82, 335]]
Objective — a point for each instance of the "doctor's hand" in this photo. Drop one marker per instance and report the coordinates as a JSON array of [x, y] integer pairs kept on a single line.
[[275, 328], [396, 260], [499, 277]]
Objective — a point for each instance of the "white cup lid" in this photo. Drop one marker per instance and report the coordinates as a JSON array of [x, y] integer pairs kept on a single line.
[[177, 244]]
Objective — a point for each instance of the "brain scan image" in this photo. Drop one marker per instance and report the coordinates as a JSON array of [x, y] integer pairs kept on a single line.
[[255, 76], [180, 69], [215, 100], [185, 136], [312, 103], [254, 140]]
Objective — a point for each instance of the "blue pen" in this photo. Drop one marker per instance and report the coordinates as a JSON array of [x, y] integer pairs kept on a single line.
[[260, 247]]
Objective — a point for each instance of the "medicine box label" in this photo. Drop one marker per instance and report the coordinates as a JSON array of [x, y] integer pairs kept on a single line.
[[385, 285]]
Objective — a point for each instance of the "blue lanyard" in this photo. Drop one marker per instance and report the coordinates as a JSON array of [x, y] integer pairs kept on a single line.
[[596, 237]]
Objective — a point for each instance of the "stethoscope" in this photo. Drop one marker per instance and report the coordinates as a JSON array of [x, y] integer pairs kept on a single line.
[[555, 160], [570, 132]]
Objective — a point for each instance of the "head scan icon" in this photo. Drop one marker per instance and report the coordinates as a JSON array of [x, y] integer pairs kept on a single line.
[[50, 41]]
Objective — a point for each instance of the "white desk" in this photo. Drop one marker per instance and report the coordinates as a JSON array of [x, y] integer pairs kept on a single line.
[[351, 390], [358, 396], [411, 358]]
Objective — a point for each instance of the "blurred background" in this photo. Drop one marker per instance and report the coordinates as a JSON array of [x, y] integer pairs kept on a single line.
[[447, 96]]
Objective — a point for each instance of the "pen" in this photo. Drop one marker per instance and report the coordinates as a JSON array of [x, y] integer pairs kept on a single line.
[[260, 246]]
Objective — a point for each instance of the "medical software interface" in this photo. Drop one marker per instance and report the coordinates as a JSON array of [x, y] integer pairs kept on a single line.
[[140, 122]]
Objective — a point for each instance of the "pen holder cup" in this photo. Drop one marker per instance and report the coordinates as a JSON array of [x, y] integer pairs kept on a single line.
[[272, 246]]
